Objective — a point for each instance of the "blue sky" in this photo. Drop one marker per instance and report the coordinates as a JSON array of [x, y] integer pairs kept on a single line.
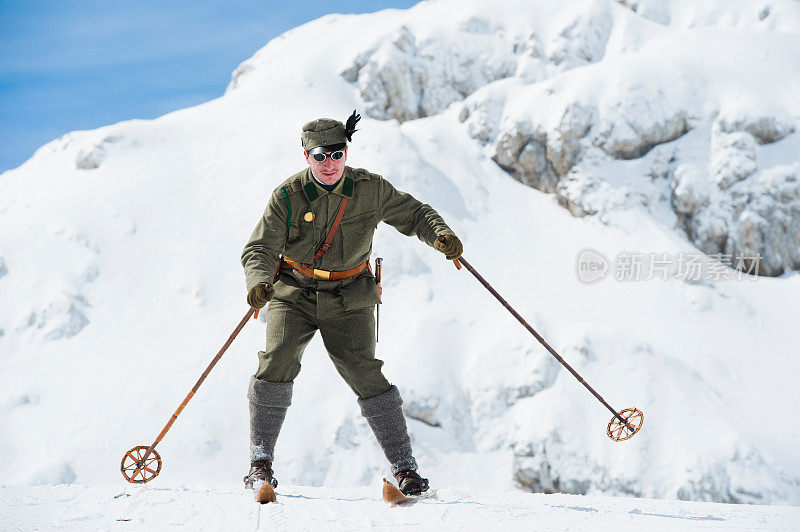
[[81, 64]]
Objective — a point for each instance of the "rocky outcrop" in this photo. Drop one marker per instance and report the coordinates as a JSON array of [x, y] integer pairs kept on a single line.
[[766, 126], [544, 467], [548, 158], [690, 190], [583, 39], [422, 408], [535, 468], [91, 158], [639, 128], [757, 217], [726, 205], [733, 157], [406, 78], [524, 156], [538, 157]]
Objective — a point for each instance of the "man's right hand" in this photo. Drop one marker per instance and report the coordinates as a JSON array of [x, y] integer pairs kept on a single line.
[[259, 295]]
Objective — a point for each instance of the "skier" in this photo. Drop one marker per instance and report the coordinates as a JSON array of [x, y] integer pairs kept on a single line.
[[308, 257]]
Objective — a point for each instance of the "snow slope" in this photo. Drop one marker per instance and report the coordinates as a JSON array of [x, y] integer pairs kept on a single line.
[[79, 507], [120, 277]]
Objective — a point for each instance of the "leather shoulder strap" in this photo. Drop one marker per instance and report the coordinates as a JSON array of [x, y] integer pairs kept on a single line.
[[328, 239]]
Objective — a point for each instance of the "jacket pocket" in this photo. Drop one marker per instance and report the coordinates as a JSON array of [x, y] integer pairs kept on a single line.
[[357, 233], [361, 293], [286, 288], [294, 232]]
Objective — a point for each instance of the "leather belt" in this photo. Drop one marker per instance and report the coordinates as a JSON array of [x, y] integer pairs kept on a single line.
[[323, 275]]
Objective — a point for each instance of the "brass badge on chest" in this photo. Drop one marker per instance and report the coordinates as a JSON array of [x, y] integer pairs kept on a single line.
[[309, 216]]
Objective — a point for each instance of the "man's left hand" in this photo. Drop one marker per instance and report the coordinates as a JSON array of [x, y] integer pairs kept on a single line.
[[450, 245]]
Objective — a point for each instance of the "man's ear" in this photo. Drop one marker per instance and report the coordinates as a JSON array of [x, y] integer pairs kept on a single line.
[[305, 154]]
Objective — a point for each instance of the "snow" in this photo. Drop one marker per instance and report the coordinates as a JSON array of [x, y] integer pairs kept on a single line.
[[120, 274], [80, 507]]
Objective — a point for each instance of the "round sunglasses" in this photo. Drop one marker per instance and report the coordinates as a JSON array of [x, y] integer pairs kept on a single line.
[[335, 156]]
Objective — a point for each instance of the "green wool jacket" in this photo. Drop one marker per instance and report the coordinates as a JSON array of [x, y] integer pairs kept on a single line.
[[287, 229]]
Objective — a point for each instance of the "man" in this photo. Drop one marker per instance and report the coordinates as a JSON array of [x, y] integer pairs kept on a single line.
[[309, 258]]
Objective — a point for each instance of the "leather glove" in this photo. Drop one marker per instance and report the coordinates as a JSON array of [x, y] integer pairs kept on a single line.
[[259, 295], [450, 245]]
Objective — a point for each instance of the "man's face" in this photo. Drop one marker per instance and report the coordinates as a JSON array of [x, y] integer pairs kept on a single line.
[[327, 171]]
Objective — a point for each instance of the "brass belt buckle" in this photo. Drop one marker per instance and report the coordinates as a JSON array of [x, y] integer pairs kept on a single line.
[[322, 275]]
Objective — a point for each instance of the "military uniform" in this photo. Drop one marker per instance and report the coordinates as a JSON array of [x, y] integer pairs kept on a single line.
[[295, 223], [298, 216]]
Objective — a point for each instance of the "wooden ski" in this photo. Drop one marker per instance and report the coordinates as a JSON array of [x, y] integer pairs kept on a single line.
[[395, 497], [265, 494]]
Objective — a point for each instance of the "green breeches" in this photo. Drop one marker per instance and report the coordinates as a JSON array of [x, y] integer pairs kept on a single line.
[[349, 339]]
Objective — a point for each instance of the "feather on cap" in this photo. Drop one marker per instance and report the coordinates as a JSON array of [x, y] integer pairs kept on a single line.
[[350, 127], [328, 132]]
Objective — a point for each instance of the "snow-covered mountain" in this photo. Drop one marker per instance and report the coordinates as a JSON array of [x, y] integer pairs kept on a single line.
[[538, 130]]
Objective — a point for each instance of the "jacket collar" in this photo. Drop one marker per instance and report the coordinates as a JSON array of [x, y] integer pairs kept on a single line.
[[313, 191]]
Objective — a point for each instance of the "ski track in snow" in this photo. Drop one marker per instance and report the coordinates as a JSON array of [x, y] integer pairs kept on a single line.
[[79, 507]]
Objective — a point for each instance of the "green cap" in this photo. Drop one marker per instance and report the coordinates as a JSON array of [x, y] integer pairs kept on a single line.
[[327, 132], [323, 132]]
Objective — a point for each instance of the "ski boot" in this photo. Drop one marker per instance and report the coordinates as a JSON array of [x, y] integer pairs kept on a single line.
[[411, 483], [261, 480]]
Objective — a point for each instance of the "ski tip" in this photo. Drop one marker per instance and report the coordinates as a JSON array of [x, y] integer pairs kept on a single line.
[[392, 495], [265, 494]]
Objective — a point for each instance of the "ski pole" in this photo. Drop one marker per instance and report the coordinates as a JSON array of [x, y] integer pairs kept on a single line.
[[144, 461], [619, 428]]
